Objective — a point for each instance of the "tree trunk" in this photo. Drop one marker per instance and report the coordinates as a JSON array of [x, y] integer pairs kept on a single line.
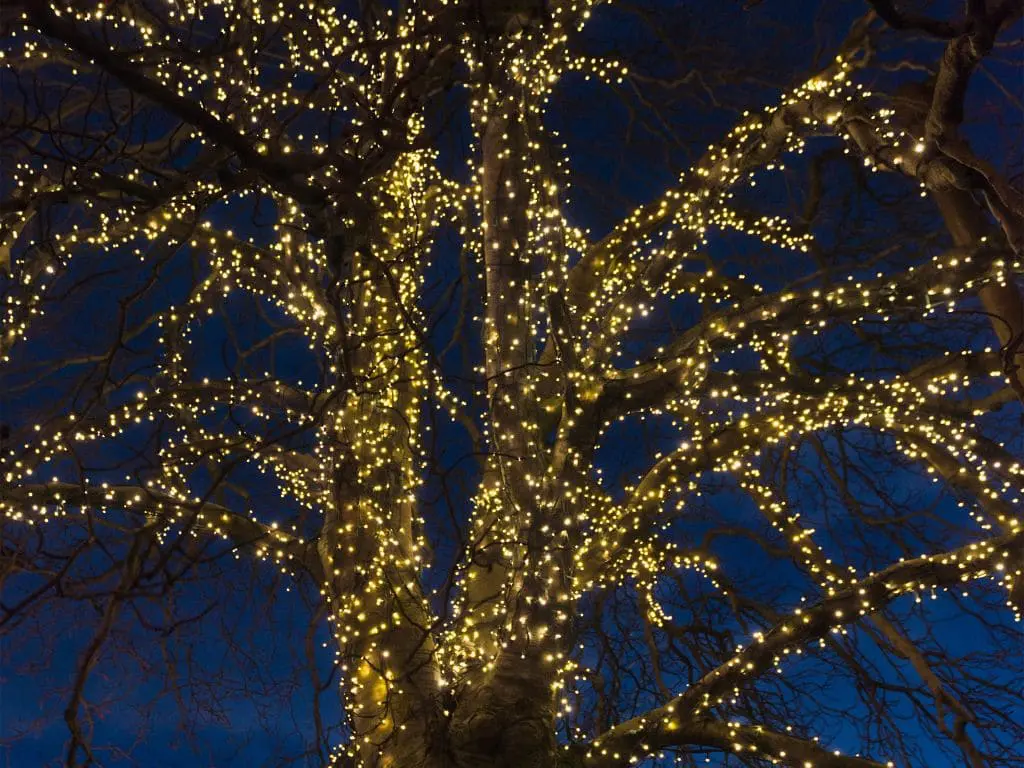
[[506, 722]]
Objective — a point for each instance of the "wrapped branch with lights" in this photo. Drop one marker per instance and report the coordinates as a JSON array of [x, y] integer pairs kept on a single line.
[[704, 480]]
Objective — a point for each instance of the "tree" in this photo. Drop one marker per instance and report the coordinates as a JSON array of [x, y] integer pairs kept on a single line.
[[230, 354]]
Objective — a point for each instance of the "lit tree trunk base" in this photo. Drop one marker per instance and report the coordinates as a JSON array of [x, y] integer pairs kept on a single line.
[[506, 722]]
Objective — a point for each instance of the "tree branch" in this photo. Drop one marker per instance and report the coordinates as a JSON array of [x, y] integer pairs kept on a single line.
[[945, 569], [245, 533], [739, 738], [897, 19], [651, 383], [281, 171]]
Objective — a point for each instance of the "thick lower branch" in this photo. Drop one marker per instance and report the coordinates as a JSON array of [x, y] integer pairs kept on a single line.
[[945, 569], [738, 738]]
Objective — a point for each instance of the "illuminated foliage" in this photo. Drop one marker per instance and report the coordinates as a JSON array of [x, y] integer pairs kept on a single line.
[[321, 120]]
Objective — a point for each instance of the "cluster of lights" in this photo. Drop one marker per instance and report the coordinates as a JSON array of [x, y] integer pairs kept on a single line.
[[543, 531]]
